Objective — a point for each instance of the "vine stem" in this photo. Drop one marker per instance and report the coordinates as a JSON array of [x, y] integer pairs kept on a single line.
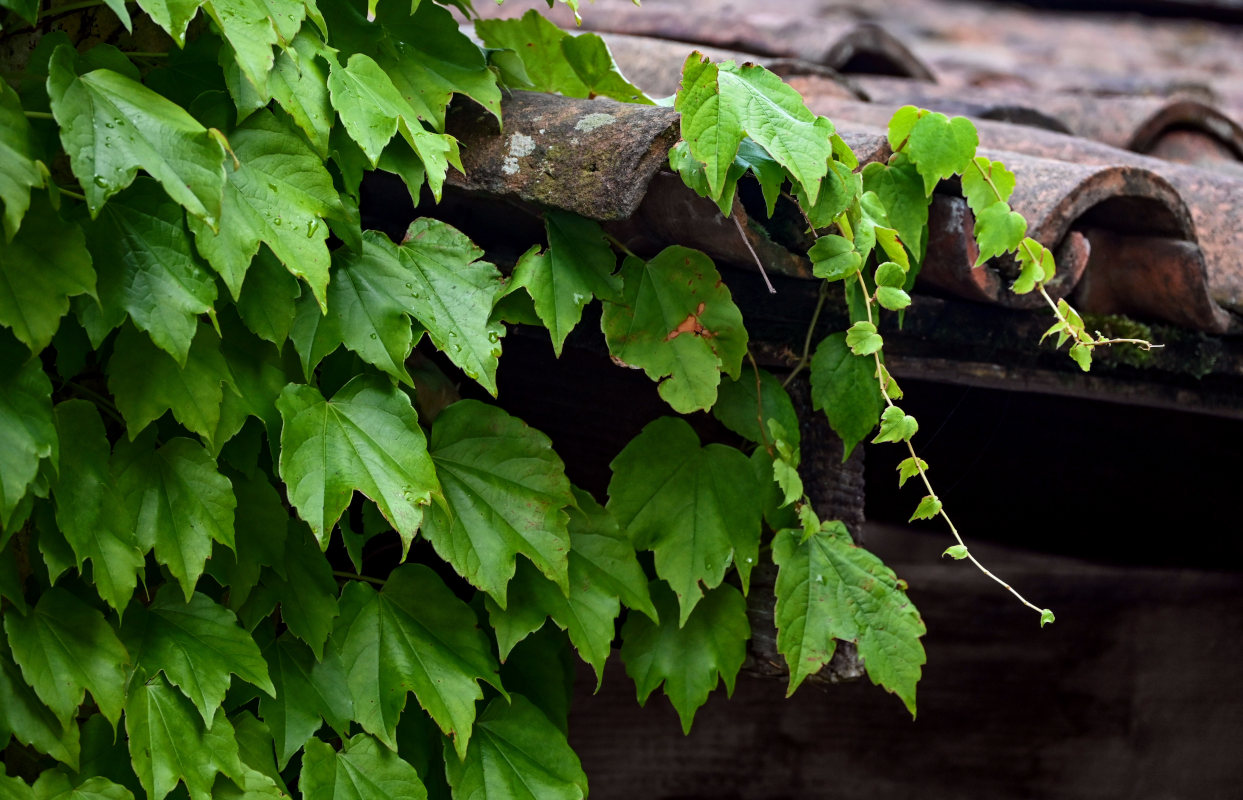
[[613, 240], [759, 404], [38, 114], [1144, 343], [743, 233], [70, 193], [354, 576], [811, 331]]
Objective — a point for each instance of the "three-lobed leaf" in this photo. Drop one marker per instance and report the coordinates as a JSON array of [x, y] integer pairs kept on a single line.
[[362, 770]]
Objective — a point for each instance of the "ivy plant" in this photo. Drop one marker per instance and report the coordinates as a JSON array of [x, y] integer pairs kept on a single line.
[[214, 391]]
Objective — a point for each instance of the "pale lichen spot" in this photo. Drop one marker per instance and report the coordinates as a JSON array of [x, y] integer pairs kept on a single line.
[[519, 145], [592, 121]]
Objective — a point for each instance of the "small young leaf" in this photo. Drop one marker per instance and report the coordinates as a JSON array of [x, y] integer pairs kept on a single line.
[[890, 274], [901, 125], [985, 183], [941, 147], [1046, 616], [892, 299], [909, 468], [896, 426], [1082, 354], [928, 508], [863, 340], [958, 552], [834, 258], [998, 230], [1037, 266]]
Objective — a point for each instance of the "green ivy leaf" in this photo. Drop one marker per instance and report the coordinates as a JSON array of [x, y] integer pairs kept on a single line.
[[44, 265], [844, 387], [88, 510], [901, 125], [516, 752], [198, 645], [363, 770], [588, 55], [901, 189], [29, 721], [1082, 355], [19, 172], [177, 502], [1046, 617], [986, 183], [998, 231], [172, 15], [697, 508], [896, 426], [64, 647], [957, 552], [1036, 266], [577, 265], [504, 494], [268, 296], [928, 508], [909, 468], [53, 785], [252, 28], [306, 590], [742, 403], [308, 692], [299, 83], [146, 382], [834, 258], [941, 147], [720, 104], [27, 431], [892, 299], [890, 274], [830, 589], [278, 196], [412, 636], [366, 438], [168, 743], [863, 340], [129, 126], [148, 269], [689, 658], [677, 321]]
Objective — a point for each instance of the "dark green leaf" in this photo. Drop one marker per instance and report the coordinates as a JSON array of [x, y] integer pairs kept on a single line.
[[177, 502], [367, 438], [197, 645], [29, 721], [64, 648], [689, 659], [677, 320], [172, 15], [27, 432], [516, 753], [743, 402], [696, 508], [129, 126], [412, 636], [307, 693], [537, 42], [830, 589], [40, 269], [268, 295], [505, 492], [307, 592], [363, 770], [901, 189], [19, 172], [838, 191]]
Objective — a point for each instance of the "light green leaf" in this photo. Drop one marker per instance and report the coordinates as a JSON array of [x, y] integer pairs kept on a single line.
[[307, 591], [890, 274], [928, 508], [307, 693], [64, 648], [698, 509], [1082, 355], [314, 334], [87, 509], [958, 552], [742, 403], [720, 104], [252, 27], [830, 589], [197, 645], [278, 196], [19, 172], [504, 494], [941, 147], [516, 753], [367, 438], [693, 175], [168, 743], [689, 659], [896, 426], [577, 265], [29, 721], [537, 43], [901, 125], [148, 270], [998, 231], [901, 189], [892, 299], [55, 785], [588, 55], [27, 432], [146, 382], [434, 276], [363, 770], [127, 126], [176, 501], [430, 59], [1036, 266], [677, 321], [863, 340], [909, 468], [40, 269], [299, 83], [412, 636], [834, 258], [838, 192], [1046, 617], [172, 15], [986, 183]]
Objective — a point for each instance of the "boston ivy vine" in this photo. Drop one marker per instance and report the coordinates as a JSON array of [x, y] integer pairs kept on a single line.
[[199, 396]]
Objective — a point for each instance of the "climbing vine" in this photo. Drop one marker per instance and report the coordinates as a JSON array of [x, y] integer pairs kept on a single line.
[[216, 388]]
